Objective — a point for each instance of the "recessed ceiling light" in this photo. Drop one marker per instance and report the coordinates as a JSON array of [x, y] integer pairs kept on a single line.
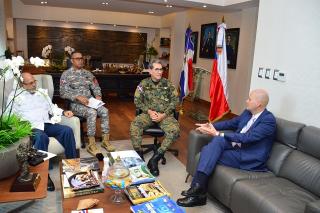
[[151, 12], [204, 6], [104, 3], [168, 5], [165, 1], [44, 2]]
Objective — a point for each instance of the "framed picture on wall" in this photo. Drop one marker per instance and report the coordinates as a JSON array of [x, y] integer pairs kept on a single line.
[[194, 38], [208, 40], [232, 41]]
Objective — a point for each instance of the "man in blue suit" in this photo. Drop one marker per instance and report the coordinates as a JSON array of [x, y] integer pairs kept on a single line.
[[247, 148]]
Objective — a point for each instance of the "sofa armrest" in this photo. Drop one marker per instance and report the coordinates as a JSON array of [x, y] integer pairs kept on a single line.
[[74, 123], [313, 207], [195, 143]]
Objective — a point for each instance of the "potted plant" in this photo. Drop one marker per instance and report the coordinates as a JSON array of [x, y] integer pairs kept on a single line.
[[13, 130]]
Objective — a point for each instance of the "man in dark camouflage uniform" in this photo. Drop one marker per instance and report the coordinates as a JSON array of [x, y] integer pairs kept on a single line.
[[157, 98], [77, 85]]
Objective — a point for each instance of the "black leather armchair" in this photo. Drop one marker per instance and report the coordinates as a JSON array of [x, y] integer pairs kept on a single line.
[[156, 133]]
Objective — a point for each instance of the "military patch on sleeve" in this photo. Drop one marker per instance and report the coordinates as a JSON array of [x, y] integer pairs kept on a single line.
[[140, 88]]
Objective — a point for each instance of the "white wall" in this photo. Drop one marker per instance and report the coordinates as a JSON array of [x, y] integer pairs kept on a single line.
[[288, 39], [3, 37], [21, 30]]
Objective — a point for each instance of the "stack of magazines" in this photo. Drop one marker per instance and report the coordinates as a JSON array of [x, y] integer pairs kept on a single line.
[[80, 177]]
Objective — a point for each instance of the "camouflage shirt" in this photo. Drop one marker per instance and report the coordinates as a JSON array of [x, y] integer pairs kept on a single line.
[[160, 97], [78, 82]]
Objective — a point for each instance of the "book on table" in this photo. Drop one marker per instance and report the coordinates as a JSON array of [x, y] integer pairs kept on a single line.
[[158, 205], [80, 177], [139, 173], [145, 192]]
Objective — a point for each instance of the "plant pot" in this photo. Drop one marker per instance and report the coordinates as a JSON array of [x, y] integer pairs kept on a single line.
[[9, 165]]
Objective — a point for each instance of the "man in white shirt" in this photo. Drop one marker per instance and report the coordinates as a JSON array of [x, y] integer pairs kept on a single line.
[[34, 105]]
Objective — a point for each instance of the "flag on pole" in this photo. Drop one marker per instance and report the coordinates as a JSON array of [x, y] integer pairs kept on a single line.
[[218, 84], [186, 76]]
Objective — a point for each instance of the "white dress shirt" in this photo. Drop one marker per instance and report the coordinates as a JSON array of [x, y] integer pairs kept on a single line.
[[34, 108], [247, 127]]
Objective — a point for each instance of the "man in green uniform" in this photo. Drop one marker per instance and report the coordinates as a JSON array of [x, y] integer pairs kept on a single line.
[[157, 98]]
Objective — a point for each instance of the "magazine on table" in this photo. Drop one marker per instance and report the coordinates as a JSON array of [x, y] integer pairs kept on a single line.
[[80, 177], [141, 174], [129, 158], [158, 205], [145, 192]]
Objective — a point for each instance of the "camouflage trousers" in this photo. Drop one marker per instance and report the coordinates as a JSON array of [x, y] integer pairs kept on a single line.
[[169, 125], [91, 115]]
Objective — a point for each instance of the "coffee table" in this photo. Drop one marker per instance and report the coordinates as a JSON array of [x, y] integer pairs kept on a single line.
[[69, 204], [41, 191]]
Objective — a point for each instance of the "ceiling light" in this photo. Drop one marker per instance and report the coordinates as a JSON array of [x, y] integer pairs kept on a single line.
[[151, 12], [204, 6], [165, 1], [104, 3], [44, 2], [168, 5], [114, 25]]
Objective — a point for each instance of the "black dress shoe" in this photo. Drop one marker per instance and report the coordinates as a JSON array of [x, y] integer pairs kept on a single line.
[[153, 163], [193, 191], [50, 186], [192, 201]]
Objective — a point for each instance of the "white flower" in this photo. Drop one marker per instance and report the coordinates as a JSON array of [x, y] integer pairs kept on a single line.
[[46, 51], [37, 61], [69, 50], [10, 67]]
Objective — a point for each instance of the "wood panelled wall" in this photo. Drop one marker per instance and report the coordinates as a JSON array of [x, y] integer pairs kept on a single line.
[[111, 46]]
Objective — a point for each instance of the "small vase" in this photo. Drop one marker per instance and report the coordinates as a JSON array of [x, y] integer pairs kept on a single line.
[[9, 165]]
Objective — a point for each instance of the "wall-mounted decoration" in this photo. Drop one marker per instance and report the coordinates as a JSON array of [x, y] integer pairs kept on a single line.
[[194, 38], [232, 41], [208, 40], [108, 46]]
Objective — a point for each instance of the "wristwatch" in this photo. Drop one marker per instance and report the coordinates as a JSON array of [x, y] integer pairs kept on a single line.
[[221, 134]]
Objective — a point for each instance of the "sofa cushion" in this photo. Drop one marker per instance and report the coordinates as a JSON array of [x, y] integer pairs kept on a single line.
[[224, 178], [278, 154], [288, 131], [303, 170], [268, 195], [309, 141]]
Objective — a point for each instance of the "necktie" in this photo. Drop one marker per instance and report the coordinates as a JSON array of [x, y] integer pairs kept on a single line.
[[244, 130]]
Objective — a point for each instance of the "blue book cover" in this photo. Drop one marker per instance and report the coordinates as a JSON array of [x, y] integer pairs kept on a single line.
[[162, 204]]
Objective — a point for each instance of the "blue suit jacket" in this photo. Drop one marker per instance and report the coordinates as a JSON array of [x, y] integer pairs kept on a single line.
[[256, 143]]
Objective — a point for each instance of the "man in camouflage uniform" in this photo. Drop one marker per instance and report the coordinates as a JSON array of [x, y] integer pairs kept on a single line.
[[157, 98], [77, 85]]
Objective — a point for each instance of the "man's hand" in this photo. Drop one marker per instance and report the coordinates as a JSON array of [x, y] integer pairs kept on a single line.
[[155, 116], [68, 114], [83, 100], [99, 98], [207, 128]]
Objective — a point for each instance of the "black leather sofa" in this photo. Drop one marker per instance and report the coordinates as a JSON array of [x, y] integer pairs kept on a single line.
[[292, 184]]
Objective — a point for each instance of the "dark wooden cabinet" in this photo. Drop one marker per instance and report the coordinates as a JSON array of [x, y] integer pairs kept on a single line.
[[123, 85]]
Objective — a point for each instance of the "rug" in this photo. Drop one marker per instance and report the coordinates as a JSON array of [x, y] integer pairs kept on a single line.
[[172, 176]]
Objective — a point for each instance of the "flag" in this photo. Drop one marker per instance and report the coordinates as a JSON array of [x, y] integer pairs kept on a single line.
[[186, 76], [218, 84]]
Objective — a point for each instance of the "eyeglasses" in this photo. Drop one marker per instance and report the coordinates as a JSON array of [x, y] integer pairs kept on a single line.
[[30, 83], [158, 69], [78, 59]]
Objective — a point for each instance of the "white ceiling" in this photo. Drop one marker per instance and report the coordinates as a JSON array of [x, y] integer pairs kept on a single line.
[[144, 6]]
